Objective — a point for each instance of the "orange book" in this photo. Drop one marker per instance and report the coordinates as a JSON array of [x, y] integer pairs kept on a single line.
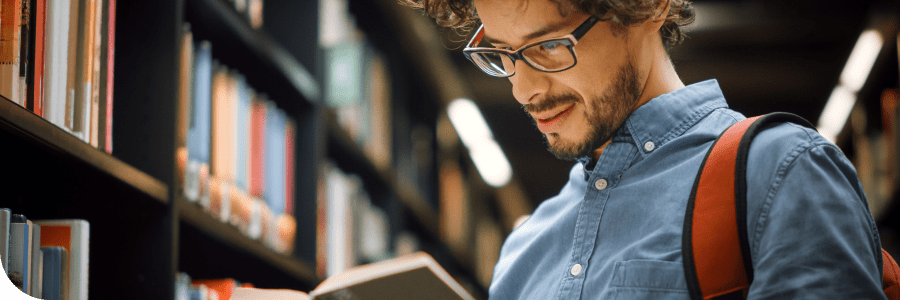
[[223, 126], [224, 287], [10, 33], [257, 145]]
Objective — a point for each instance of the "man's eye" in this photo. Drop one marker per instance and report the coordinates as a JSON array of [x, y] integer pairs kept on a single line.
[[551, 46]]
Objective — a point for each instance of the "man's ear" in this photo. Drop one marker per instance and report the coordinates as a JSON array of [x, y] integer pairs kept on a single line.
[[659, 16]]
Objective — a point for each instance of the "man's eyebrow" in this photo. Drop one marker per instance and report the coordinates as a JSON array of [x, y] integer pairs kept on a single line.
[[540, 32]]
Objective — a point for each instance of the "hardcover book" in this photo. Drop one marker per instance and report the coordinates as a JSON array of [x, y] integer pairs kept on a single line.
[[414, 276]]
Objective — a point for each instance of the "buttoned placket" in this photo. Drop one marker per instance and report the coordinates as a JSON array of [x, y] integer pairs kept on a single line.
[[601, 181]]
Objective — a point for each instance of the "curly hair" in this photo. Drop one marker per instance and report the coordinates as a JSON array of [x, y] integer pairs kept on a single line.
[[622, 13]]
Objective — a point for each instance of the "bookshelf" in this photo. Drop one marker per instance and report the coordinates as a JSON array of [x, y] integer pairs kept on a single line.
[[143, 231]]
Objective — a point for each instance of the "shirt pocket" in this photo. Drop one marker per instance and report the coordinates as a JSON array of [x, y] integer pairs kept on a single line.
[[648, 279]]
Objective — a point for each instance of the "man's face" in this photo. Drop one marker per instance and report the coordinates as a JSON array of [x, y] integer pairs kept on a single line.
[[577, 110]]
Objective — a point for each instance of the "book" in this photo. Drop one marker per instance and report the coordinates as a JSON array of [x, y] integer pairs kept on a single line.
[[56, 57], [223, 287], [38, 37], [107, 67], [35, 262], [5, 218], [188, 179], [414, 276], [53, 279], [198, 134], [19, 250], [73, 236], [10, 39]]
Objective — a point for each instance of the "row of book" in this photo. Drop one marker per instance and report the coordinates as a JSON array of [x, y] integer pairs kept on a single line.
[[236, 148], [187, 288], [57, 59], [45, 259], [352, 230]]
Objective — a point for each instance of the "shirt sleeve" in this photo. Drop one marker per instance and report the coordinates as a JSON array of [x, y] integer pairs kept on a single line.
[[811, 233]]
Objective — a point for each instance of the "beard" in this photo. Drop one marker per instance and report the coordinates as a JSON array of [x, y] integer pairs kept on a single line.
[[604, 113]]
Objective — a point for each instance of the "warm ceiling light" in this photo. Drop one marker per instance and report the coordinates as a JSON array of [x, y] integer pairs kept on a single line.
[[861, 60], [477, 137]]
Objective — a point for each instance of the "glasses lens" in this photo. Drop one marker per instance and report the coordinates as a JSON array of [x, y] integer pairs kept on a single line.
[[553, 55], [494, 64]]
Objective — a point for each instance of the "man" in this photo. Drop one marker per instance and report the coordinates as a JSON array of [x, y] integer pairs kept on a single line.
[[639, 135]]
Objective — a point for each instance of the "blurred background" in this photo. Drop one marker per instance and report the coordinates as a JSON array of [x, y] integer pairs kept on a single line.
[[391, 142]]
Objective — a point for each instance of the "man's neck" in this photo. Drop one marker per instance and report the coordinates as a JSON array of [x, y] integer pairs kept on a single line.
[[661, 79]]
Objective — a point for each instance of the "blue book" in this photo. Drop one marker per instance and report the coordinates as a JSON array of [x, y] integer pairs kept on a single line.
[[242, 121], [198, 135], [273, 180], [19, 244], [54, 259]]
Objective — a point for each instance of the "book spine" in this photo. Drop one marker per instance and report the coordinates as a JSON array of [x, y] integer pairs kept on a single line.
[[72, 63], [257, 147], [35, 261], [10, 34], [110, 71], [188, 179], [96, 46], [26, 55], [202, 113], [5, 218], [40, 13], [52, 279], [56, 61], [18, 252]]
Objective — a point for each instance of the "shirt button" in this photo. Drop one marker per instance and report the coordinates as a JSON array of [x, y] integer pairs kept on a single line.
[[576, 270], [649, 146], [600, 184]]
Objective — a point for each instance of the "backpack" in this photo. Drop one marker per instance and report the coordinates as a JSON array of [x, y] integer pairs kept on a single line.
[[715, 224]]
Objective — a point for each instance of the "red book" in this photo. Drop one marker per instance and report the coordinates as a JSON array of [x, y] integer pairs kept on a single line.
[[39, 22], [257, 148]]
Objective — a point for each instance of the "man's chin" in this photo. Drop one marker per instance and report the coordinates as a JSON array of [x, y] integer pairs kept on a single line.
[[564, 149]]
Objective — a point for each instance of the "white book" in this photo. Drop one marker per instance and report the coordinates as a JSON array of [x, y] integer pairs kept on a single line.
[[78, 232], [5, 217], [56, 55]]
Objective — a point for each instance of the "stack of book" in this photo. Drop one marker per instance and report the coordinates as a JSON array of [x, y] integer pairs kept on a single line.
[[56, 60], [236, 149], [46, 259]]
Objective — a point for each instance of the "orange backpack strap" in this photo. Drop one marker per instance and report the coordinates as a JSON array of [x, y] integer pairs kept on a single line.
[[715, 223], [890, 281]]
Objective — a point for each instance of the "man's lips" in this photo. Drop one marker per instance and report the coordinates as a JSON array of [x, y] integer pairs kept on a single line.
[[551, 121]]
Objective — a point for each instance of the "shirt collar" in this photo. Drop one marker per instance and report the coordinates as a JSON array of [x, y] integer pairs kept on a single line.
[[668, 116]]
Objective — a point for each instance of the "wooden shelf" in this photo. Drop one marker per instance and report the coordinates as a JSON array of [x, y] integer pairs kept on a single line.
[[225, 234], [34, 129]]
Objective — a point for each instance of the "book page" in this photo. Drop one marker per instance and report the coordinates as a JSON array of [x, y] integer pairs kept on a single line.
[[409, 276]]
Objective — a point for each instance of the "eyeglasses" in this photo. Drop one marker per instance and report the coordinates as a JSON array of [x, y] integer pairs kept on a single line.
[[552, 55]]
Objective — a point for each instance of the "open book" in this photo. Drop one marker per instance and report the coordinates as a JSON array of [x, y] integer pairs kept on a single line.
[[414, 276]]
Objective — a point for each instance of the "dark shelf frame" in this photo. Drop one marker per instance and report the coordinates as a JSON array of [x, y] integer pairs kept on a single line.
[[34, 129]]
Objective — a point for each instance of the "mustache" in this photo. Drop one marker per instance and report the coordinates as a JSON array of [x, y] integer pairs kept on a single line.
[[549, 103]]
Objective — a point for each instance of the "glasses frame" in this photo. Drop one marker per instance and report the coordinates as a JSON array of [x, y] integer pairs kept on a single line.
[[571, 39]]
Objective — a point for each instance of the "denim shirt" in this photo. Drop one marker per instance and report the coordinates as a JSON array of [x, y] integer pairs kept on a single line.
[[614, 231]]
